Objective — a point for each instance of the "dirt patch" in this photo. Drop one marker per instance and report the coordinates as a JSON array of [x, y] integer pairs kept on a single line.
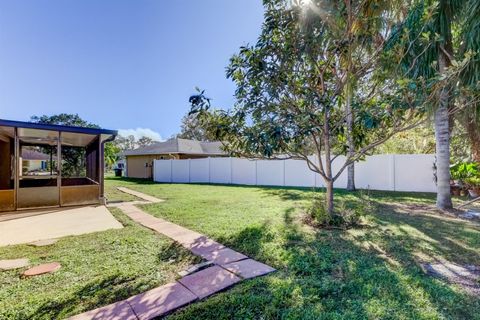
[[467, 276]]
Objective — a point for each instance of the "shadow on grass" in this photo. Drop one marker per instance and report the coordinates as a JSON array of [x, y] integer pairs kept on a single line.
[[94, 294], [331, 274]]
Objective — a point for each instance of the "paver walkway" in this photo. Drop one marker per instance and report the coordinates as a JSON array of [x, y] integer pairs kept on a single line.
[[229, 267]]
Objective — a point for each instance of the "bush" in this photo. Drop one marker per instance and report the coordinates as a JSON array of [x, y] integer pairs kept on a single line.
[[462, 171], [344, 216]]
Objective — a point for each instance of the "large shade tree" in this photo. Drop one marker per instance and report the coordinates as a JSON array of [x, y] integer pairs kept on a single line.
[[290, 88]]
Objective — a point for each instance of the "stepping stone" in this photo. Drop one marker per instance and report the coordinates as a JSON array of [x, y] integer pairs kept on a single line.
[[209, 281], [161, 300], [248, 268], [43, 243], [13, 264], [203, 245], [116, 311], [42, 269], [195, 268], [223, 256], [140, 195]]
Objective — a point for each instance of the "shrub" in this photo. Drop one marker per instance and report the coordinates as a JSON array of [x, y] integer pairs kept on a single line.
[[344, 216], [462, 171]]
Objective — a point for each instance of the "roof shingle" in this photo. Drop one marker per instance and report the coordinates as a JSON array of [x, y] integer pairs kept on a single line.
[[177, 145]]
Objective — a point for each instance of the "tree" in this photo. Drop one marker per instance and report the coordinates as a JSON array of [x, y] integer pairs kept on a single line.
[[432, 56], [145, 141], [125, 143], [419, 140], [289, 90], [111, 153], [73, 158], [193, 128], [73, 163]]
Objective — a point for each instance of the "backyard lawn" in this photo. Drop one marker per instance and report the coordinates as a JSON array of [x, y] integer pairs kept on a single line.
[[97, 269], [369, 272]]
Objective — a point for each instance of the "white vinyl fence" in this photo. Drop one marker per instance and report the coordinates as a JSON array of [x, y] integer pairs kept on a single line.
[[409, 172]]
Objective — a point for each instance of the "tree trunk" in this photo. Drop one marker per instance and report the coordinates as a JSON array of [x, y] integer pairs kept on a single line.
[[329, 197], [351, 147], [329, 206], [442, 140]]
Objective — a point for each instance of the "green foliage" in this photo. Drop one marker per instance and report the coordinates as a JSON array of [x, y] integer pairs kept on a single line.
[[73, 158], [473, 182], [292, 85], [111, 154], [193, 126], [345, 216], [419, 140], [462, 171]]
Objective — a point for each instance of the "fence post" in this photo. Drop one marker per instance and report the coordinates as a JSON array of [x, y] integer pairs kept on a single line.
[[209, 178], [231, 170], [171, 170], [189, 170], [392, 172], [256, 172], [154, 170], [284, 166]]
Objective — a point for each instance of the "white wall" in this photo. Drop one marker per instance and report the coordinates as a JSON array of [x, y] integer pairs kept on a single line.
[[412, 172]]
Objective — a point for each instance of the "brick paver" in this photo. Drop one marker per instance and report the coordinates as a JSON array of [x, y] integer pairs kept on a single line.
[[248, 268], [229, 268], [140, 195], [116, 311], [161, 300], [209, 281], [223, 256]]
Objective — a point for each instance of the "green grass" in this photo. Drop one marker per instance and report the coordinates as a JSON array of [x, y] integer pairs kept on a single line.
[[370, 272], [97, 269]]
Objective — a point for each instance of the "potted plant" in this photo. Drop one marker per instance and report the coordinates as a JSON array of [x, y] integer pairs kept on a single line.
[[460, 173], [473, 185]]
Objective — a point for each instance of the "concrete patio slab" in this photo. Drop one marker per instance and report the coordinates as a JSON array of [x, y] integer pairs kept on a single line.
[[161, 300], [42, 269], [140, 195], [116, 311], [13, 264], [57, 224], [248, 268], [209, 281], [223, 256]]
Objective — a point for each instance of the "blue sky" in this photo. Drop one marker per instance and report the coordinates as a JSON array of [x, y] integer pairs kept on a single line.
[[121, 64]]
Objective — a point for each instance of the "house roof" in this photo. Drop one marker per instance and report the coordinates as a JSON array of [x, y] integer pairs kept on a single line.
[[34, 155], [179, 146]]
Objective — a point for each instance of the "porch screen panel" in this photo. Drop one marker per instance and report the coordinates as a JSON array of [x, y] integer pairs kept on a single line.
[[92, 159]]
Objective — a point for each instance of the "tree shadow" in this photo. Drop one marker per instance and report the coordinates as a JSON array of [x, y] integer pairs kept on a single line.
[[334, 274], [94, 294]]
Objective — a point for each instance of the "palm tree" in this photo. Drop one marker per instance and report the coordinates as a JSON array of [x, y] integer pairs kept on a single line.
[[432, 61]]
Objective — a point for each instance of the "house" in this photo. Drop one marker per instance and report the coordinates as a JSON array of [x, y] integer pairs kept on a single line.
[[34, 161], [140, 161], [23, 188]]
